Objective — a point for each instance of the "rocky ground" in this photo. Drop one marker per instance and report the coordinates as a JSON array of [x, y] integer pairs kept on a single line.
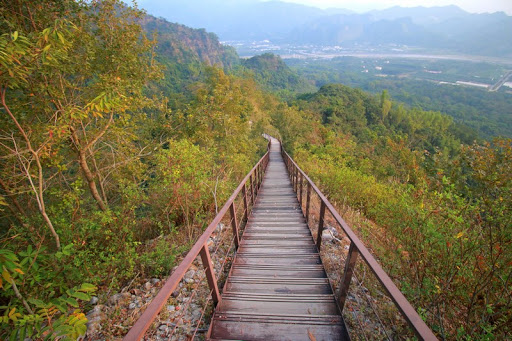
[[187, 312]]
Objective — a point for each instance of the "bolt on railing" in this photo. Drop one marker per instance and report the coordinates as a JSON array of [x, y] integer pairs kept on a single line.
[[254, 178], [356, 249]]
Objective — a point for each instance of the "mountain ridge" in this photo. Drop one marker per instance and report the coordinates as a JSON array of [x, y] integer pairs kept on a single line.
[[442, 27]]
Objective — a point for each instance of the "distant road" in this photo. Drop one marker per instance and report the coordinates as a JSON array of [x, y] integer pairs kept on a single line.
[[502, 81]]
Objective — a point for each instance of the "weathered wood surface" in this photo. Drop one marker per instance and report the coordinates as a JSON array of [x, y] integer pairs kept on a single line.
[[277, 288]]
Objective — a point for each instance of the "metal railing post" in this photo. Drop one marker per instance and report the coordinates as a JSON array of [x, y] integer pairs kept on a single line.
[[320, 225], [296, 187], [252, 190], [246, 207], [260, 173], [308, 200], [210, 274], [347, 274], [300, 195], [256, 181], [234, 224]]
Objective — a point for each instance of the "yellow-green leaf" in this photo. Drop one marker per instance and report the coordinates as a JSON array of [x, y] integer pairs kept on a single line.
[[7, 276]]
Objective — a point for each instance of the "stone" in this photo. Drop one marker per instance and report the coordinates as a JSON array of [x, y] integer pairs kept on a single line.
[[94, 300], [175, 293], [327, 236], [190, 274], [189, 280], [163, 328], [118, 299], [220, 227], [132, 306], [155, 281], [196, 314], [147, 285], [94, 319], [333, 230], [171, 308]]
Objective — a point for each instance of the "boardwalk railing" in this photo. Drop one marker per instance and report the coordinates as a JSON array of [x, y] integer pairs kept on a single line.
[[303, 185], [248, 190]]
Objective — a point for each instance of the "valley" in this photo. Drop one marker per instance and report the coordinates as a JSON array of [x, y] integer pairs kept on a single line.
[[247, 49]]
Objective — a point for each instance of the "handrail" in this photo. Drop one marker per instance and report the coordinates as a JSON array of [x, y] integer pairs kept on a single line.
[[255, 178], [356, 247]]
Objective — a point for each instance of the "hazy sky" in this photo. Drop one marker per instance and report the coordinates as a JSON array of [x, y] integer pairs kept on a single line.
[[477, 6]]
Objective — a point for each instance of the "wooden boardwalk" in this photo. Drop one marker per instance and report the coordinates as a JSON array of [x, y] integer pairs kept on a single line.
[[277, 287]]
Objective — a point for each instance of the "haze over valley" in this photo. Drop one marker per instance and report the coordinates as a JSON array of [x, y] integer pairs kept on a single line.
[[288, 28]]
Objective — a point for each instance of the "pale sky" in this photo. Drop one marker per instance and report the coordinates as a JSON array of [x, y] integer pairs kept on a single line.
[[473, 6]]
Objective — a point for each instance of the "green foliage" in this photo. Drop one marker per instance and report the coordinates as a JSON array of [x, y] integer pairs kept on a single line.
[[477, 111], [444, 211], [274, 75], [50, 313]]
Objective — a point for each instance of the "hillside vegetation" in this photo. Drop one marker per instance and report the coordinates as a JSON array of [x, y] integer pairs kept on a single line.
[[117, 145]]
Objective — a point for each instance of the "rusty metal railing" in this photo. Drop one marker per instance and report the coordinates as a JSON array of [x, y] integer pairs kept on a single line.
[[299, 178], [248, 189]]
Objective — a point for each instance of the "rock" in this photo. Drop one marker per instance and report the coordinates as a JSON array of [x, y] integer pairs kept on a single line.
[[163, 328], [327, 236], [147, 285], [210, 243], [118, 299], [94, 319], [190, 274], [94, 300], [347, 247], [196, 314], [333, 230], [220, 227], [189, 280], [171, 308], [132, 306], [155, 281], [175, 293]]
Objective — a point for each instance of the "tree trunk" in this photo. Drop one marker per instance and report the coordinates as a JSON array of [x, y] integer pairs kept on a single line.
[[89, 176]]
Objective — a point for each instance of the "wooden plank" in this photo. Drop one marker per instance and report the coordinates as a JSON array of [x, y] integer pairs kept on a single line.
[[277, 288], [268, 328]]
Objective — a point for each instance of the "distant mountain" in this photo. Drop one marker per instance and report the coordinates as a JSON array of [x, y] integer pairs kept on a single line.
[[272, 73], [362, 29], [449, 28], [184, 52], [236, 20], [183, 44], [423, 16]]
